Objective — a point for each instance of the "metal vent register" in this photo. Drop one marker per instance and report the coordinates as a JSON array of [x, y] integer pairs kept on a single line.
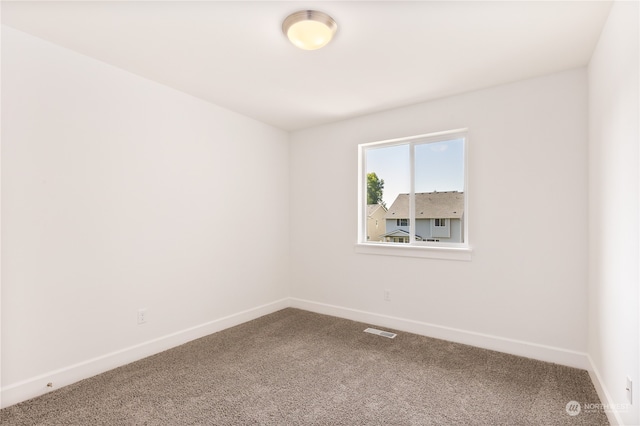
[[380, 333]]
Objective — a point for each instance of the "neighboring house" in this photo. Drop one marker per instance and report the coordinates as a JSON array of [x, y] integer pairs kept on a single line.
[[376, 227], [438, 218]]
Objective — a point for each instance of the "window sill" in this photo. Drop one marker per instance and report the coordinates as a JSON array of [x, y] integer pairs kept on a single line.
[[386, 249]]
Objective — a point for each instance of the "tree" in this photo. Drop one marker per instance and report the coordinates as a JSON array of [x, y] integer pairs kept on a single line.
[[375, 187]]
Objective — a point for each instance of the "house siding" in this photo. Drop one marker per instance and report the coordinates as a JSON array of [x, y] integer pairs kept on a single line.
[[424, 229], [376, 225]]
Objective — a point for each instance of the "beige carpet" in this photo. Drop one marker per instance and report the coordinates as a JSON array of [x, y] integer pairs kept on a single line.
[[299, 368]]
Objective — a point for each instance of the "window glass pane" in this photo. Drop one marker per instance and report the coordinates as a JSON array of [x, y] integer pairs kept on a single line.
[[387, 177], [439, 190], [439, 166]]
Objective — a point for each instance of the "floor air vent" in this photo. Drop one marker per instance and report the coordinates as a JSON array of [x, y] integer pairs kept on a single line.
[[380, 333]]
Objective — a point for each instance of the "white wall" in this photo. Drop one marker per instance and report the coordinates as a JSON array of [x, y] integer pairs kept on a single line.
[[119, 193], [613, 209], [524, 291]]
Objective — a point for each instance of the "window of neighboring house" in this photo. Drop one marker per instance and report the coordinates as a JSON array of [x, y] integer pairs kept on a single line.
[[421, 181], [400, 240]]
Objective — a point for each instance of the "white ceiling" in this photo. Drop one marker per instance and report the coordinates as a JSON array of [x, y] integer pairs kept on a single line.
[[384, 55]]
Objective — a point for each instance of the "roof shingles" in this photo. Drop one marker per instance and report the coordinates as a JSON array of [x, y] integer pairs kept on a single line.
[[429, 205]]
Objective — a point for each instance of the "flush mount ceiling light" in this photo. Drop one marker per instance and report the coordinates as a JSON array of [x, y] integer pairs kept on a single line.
[[309, 29]]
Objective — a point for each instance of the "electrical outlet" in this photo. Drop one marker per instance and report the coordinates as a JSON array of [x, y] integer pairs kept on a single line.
[[142, 315], [387, 295], [629, 390]]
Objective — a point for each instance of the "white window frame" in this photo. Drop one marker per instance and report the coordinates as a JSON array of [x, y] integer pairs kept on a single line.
[[426, 249]]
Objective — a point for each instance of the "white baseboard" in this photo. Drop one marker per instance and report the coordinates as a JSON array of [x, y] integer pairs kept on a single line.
[[515, 347], [612, 415], [37, 386]]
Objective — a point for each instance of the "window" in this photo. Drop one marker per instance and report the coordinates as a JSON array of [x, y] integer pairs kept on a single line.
[[441, 228], [421, 183]]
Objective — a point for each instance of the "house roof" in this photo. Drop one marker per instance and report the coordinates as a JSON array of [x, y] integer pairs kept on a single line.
[[371, 208], [400, 233], [429, 205]]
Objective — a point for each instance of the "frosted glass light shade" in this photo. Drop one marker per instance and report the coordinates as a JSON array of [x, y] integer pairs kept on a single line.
[[309, 29]]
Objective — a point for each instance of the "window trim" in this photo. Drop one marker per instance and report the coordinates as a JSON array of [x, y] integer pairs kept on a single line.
[[406, 250], [427, 249]]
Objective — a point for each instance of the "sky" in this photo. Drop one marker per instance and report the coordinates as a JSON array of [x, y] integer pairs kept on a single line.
[[439, 167]]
